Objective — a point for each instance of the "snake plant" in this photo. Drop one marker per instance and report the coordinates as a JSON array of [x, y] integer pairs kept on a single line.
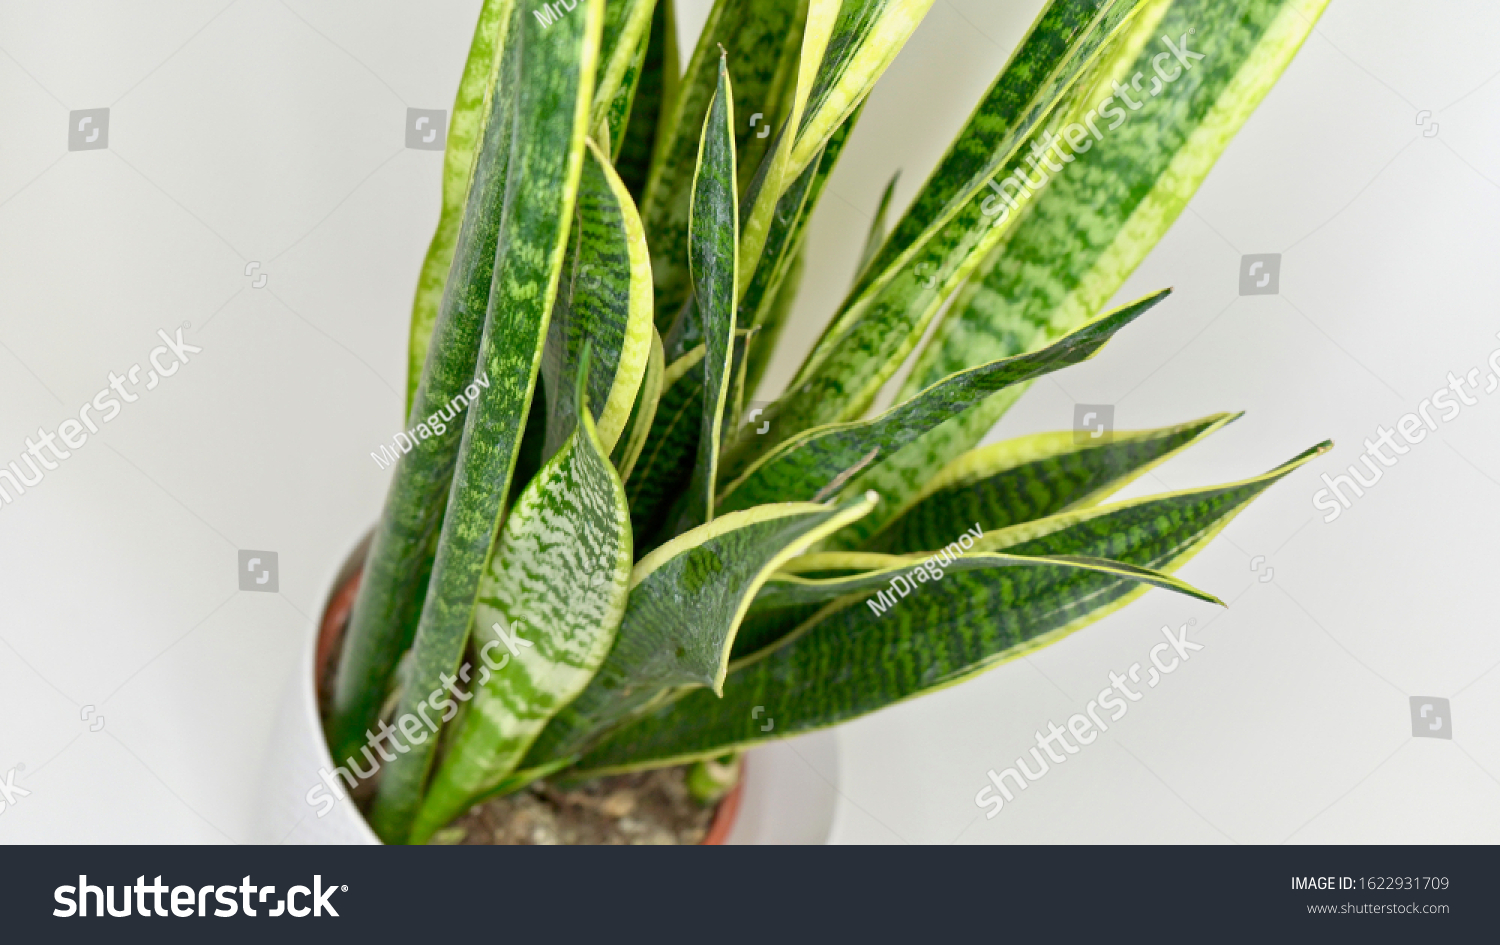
[[619, 247]]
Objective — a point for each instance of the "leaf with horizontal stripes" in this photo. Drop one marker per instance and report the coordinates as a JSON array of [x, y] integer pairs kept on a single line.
[[603, 301], [472, 108], [786, 601], [1082, 235], [687, 599], [622, 56], [557, 581], [655, 87], [819, 460], [881, 323], [400, 560], [713, 238], [860, 654], [551, 115], [753, 33], [1028, 478]]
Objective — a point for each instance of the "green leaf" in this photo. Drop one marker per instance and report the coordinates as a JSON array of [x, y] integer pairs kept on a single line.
[[549, 603], [547, 153], [817, 462], [671, 445], [622, 56], [1144, 532], [656, 85], [1028, 478], [466, 128], [863, 652], [787, 600], [876, 236], [773, 319], [400, 559], [713, 238], [862, 42], [753, 32], [663, 643], [604, 300], [879, 325], [633, 440], [1083, 234]]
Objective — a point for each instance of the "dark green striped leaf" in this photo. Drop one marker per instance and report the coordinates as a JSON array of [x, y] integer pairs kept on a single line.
[[687, 599], [1082, 235], [713, 239], [547, 153], [753, 33], [604, 301], [466, 129], [1028, 478], [817, 462], [399, 563], [656, 85], [549, 603]]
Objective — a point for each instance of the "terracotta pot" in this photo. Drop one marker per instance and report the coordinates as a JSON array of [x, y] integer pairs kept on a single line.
[[330, 636]]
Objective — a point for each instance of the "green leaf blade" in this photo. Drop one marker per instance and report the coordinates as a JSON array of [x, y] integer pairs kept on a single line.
[[549, 604]]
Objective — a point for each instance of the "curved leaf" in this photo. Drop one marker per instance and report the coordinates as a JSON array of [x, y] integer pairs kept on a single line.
[[642, 412], [603, 300], [687, 599], [557, 581]]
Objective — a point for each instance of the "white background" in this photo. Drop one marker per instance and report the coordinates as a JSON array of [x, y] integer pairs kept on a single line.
[[272, 132]]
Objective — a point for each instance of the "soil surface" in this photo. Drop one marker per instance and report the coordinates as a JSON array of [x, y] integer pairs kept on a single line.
[[648, 807]]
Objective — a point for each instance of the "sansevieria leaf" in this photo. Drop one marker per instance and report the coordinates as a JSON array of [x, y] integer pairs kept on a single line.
[[1078, 238], [861, 653], [604, 301], [549, 603], [713, 235], [687, 599], [786, 601], [466, 128], [400, 560], [849, 660], [547, 152], [656, 85], [622, 56], [752, 33], [877, 327], [1029, 478], [819, 460], [628, 448]]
